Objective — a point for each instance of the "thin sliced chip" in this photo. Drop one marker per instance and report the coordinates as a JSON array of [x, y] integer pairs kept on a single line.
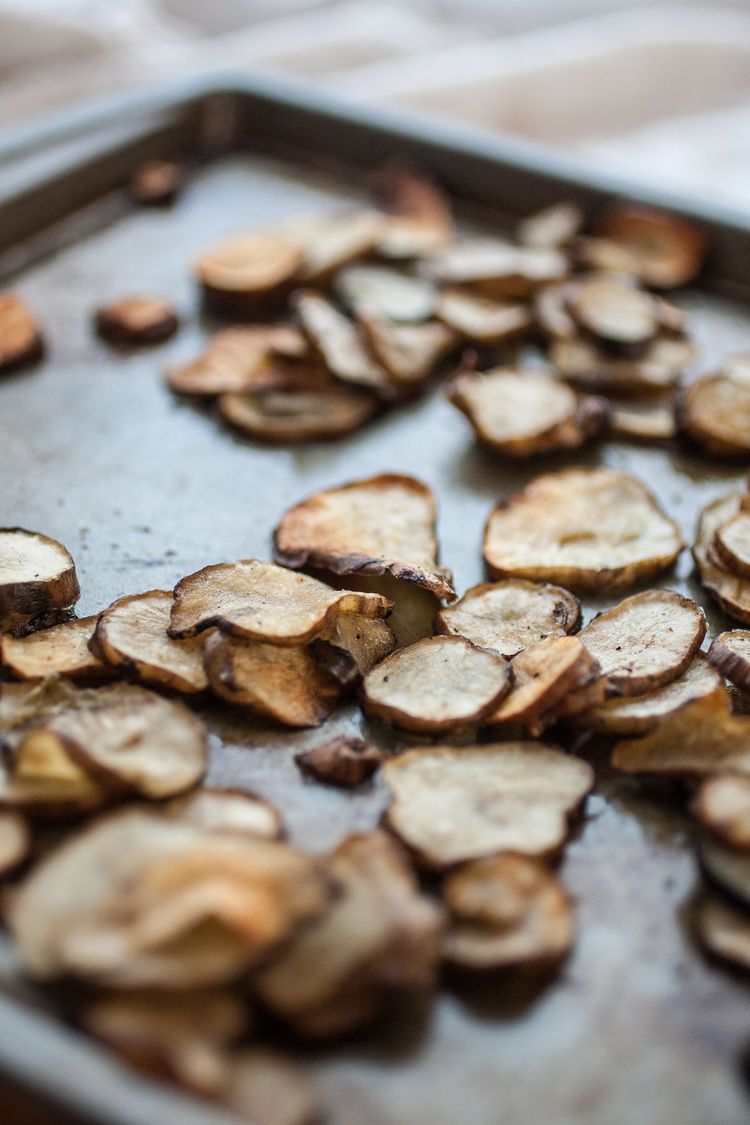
[[587, 529], [364, 640], [266, 1088], [157, 183], [507, 911], [481, 320], [340, 345], [229, 810], [728, 868], [732, 544], [730, 655], [136, 320], [419, 214], [724, 930], [380, 934], [643, 422], [508, 616], [722, 805], [387, 294], [714, 411], [248, 270], [20, 339], [62, 650], [614, 310], [408, 352], [657, 367], [552, 227], [331, 242], [703, 737], [639, 714], [37, 576], [437, 685], [452, 804], [525, 412], [285, 684], [543, 675], [551, 313], [730, 590], [241, 359], [132, 635], [495, 268], [668, 251], [15, 841], [381, 525], [344, 761], [292, 415]]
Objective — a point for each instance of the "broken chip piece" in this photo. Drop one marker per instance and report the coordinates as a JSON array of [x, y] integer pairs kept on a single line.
[[157, 183], [544, 673], [243, 360], [136, 320], [37, 576], [481, 320], [408, 352], [20, 338], [345, 761], [340, 345], [62, 650], [511, 614], [639, 714], [722, 805]]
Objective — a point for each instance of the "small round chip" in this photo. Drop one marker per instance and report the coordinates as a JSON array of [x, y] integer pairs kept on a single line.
[[730, 590], [481, 320], [248, 270], [244, 359], [157, 183], [291, 415], [714, 411], [614, 310], [667, 251], [20, 339], [588, 529], [37, 576], [543, 675], [723, 929], [511, 614], [730, 655], [15, 841], [344, 761], [437, 685], [136, 320], [732, 544], [722, 805], [639, 714], [62, 650], [728, 868]]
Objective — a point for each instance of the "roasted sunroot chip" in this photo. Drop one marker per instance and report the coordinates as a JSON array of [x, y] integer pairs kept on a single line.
[[730, 655], [244, 359], [132, 635], [645, 422], [140, 900], [507, 911], [379, 935], [330, 242], [297, 414], [525, 412], [263, 1086], [555, 226], [481, 320], [613, 309], [136, 320], [437, 685], [588, 529], [157, 183], [387, 294], [364, 641], [229, 810], [715, 412], [664, 250], [494, 268], [264, 602], [62, 650], [283, 683], [419, 214], [638, 714], [510, 615], [408, 352], [15, 841], [380, 525], [658, 366], [342, 761], [703, 737], [37, 576], [20, 339], [543, 675], [731, 591], [453, 803], [340, 345], [732, 544], [728, 867], [250, 270], [722, 805], [724, 930]]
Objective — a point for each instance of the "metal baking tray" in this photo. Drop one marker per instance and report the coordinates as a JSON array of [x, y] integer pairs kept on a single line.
[[94, 450]]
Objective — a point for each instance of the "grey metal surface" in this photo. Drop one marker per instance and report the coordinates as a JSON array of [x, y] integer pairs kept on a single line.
[[143, 489]]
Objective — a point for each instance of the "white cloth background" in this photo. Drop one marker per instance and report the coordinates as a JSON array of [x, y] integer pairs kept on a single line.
[[660, 92]]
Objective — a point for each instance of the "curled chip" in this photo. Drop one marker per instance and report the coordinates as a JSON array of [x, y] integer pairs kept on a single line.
[[437, 685], [331, 242], [132, 635], [242, 359], [507, 912], [263, 602], [543, 675], [452, 804], [722, 805], [588, 529], [730, 590], [386, 293], [383, 525], [510, 615], [363, 641], [380, 935], [340, 345], [663, 250], [730, 655], [140, 900], [728, 868], [62, 650], [642, 421], [612, 309], [297, 414], [37, 577], [408, 352], [723, 929], [524, 412], [480, 319], [732, 544], [157, 183], [15, 841], [703, 737], [283, 683], [341, 761], [715, 412], [658, 366], [250, 270], [136, 320], [638, 714], [20, 339], [418, 217]]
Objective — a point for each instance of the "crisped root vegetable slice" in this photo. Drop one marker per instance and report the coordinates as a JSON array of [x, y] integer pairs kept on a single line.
[[730, 655], [365, 641], [157, 183], [715, 412], [15, 841], [408, 352], [297, 414], [229, 810], [62, 650], [387, 294], [722, 805], [642, 422], [639, 714], [731, 591], [132, 635], [524, 412], [728, 867], [543, 675], [285, 684], [588, 529], [507, 911], [614, 310], [437, 685], [331, 242], [136, 320], [242, 359], [646, 641], [381, 525], [703, 737], [140, 900], [481, 320], [379, 934], [419, 214], [554, 226], [657, 367], [452, 804], [249, 270], [665, 251], [340, 345], [495, 268], [723, 929], [732, 544], [37, 576], [265, 1086], [264, 602], [510, 615], [342, 761], [20, 339]]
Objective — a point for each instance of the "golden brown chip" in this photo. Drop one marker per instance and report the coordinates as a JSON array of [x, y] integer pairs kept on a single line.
[[62, 650], [437, 685], [298, 414], [507, 911], [229, 810], [244, 359], [331, 242], [260, 601], [344, 761], [544, 673], [364, 641], [20, 339], [157, 183], [510, 615], [657, 367], [724, 930], [730, 655], [132, 635], [15, 841], [525, 412], [732, 544], [37, 576], [250, 270], [419, 214], [266, 1088], [452, 804], [383, 525], [638, 714], [611, 308], [495, 268], [408, 352], [283, 683], [554, 226], [481, 320], [136, 320], [338, 342], [727, 867], [722, 805], [642, 422], [666, 251], [588, 529], [386, 293], [731, 591], [714, 411]]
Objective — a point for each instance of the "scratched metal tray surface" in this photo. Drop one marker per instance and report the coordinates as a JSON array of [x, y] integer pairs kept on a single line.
[[94, 450]]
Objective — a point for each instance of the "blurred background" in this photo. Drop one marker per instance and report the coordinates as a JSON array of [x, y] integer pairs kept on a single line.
[[659, 92]]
